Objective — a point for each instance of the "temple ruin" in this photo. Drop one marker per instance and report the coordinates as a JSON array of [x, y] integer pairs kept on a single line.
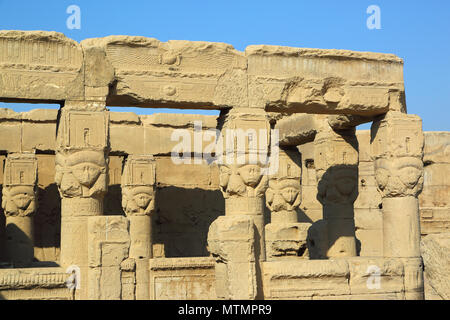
[[95, 207]]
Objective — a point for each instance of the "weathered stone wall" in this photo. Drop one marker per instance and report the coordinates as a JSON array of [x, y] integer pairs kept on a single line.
[[435, 197]]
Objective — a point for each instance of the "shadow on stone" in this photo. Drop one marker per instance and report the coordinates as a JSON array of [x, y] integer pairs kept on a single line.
[[182, 218], [337, 192]]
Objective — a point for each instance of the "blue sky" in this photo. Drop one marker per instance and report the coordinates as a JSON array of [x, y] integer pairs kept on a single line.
[[417, 31]]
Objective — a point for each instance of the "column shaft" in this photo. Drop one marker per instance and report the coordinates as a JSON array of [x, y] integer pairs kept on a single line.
[[138, 201], [19, 204], [336, 159], [81, 175]]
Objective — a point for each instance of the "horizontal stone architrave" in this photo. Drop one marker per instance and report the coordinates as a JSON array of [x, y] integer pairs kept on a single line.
[[134, 71]]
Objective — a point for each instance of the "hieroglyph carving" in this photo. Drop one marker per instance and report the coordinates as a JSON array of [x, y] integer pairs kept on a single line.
[[81, 164], [138, 182], [19, 186], [284, 189], [397, 147]]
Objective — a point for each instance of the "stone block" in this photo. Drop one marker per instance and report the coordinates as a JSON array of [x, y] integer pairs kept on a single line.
[[435, 250], [375, 275], [286, 239], [303, 279], [311, 80], [40, 65]]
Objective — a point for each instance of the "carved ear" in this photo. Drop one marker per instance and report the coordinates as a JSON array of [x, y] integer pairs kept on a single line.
[[269, 198], [11, 206], [124, 202], [150, 207], [262, 185], [31, 207], [99, 186], [297, 201]]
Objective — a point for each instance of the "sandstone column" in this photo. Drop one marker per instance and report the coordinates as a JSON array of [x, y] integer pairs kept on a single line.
[[336, 160], [138, 201], [19, 204], [246, 135], [397, 147], [285, 237], [81, 176]]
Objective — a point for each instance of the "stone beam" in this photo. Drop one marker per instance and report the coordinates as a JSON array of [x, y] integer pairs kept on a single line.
[[180, 74], [342, 122], [296, 129], [285, 79], [38, 66]]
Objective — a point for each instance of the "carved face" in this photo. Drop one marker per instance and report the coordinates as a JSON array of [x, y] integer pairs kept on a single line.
[[138, 200], [251, 174], [142, 200], [86, 173], [22, 200], [283, 195], [346, 185], [242, 180], [338, 185], [19, 200], [401, 176], [289, 194]]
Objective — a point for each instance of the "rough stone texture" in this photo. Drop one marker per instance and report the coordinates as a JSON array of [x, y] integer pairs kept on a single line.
[[35, 283], [182, 279], [435, 250], [231, 240], [147, 72], [309, 80], [40, 65], [435, 198], [109, 243], [140, 71], [297, 129], [341, 279]]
